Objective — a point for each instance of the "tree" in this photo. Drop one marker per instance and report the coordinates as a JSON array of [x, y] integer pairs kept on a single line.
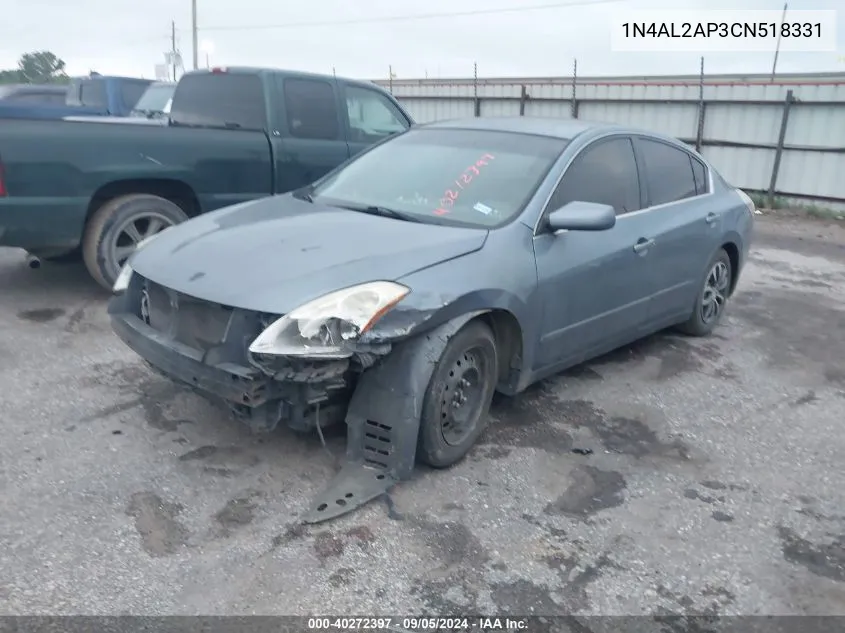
[[42, 67], [37, 67]]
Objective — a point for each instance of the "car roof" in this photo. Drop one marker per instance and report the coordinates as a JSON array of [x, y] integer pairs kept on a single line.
[[542, 126]]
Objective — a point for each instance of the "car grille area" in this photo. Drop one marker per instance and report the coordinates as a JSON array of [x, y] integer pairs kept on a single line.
[[199, 324]]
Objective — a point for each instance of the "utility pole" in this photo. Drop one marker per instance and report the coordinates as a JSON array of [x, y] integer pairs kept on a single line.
[[777, 47], [173, 46], [194, 31]]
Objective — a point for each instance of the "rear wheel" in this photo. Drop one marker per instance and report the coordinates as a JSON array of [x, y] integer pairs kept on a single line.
[[115, 229], [458, 396], [712, 297]]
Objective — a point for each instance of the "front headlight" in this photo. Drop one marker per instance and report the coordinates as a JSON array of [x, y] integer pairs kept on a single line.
[[123, 278], [125, 275], [328, 326]]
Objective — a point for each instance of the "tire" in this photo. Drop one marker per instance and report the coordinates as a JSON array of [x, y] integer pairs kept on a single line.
[[106, 231], [717, 278], [471, 356]]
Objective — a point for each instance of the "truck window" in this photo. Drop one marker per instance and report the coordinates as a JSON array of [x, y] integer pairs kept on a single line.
[[131, 91], [311, 108], [219, 100], [372, 116], [92, 93]]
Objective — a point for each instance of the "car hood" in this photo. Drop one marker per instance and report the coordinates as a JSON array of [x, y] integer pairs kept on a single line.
[[274, 254]]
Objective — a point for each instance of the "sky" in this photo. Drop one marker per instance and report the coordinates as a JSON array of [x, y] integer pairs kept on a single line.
[[361, 39]]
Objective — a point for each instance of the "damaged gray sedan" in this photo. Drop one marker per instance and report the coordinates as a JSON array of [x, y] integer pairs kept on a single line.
[[401, 290]]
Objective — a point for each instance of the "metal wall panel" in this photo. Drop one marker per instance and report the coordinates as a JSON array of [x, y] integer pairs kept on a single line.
[[741, 166], [758, 124], [812, 174], [736, 114]]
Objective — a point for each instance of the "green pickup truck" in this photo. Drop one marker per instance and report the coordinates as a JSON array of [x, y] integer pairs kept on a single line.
[[234, 134]]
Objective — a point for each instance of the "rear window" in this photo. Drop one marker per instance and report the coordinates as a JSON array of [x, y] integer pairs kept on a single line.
[[219, 100]]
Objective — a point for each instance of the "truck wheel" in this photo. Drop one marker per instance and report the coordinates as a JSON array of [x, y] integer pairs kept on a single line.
[[458, 397], [116, 228]]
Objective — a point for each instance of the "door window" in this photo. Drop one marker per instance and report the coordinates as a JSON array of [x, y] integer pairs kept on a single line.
[[311, 108], [605, 173], [670, 173], [700, 174], [372, 116]]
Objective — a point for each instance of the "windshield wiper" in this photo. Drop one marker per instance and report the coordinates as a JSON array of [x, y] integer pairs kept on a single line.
[[382, 211]]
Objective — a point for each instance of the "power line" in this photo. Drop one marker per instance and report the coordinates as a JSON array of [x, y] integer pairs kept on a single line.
[[412, 17]]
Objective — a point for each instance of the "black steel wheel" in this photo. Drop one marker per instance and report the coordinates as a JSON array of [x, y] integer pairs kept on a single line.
[[458, 397], [712, 298]]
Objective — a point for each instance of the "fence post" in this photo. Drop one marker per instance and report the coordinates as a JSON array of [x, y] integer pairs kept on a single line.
[[784, 122], [475, 89], [573, 105], [699, 135], [523, 97]]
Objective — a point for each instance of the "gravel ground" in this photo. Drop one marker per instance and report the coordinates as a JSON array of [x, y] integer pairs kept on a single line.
[[715, 484]]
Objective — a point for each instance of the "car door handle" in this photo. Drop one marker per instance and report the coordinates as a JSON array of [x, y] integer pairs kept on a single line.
[[710, 218], [643, 245]]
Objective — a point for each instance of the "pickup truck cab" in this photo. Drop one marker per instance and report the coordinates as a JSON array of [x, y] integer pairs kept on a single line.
[[95, 95], [234, 134]]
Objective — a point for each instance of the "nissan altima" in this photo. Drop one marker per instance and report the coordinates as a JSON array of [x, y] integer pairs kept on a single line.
[[400, 291]]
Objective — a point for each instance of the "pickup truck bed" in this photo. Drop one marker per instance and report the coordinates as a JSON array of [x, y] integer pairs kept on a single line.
[[234, 136]]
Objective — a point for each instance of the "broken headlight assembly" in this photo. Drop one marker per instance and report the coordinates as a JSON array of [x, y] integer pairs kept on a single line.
[[329, 326], [125, 275]]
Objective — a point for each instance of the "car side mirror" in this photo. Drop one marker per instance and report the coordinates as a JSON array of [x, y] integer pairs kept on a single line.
[[582, 216]]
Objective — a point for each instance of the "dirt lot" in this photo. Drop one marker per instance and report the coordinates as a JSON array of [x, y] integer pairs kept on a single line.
[[716, 482]]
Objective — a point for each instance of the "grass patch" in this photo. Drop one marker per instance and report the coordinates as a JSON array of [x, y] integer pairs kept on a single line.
[[792, 207]]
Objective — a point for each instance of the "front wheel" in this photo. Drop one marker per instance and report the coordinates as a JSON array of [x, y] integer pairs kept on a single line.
[[712, 297], [458, 396], [115, 229]]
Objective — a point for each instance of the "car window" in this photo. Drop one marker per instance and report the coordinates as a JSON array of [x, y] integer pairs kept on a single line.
[[446, 176], [670, 176], [605, 173], [224, 100], [92, 93], [156, 98], [311, 108], [699, 172], [372, 116], [131, 91]]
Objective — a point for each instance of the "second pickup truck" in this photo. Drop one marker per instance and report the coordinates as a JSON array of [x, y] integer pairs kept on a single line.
[[234, 134]]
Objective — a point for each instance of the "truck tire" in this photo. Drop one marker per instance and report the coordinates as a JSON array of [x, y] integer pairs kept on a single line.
[[119, 224]]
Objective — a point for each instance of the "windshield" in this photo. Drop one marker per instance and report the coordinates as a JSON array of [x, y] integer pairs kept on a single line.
[[446, 176], [155, 99]]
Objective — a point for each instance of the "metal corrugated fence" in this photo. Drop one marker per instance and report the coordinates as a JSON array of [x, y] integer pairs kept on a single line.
[[782, 139]]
